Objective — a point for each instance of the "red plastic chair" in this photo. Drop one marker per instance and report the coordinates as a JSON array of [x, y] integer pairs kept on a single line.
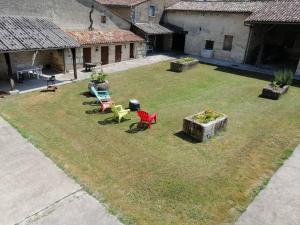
[[146, 118]]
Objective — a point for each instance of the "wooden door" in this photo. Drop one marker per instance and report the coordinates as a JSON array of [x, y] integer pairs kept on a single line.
[[87, 55], [118, 53], [104, 55], [131, 50]]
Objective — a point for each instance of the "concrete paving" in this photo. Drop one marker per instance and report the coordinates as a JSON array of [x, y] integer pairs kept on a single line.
[[279, 202], [30, 85], [33, 190]]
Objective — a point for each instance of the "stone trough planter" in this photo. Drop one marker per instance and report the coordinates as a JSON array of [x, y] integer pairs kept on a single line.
[[203, 131], [274, 93], [104, 86], [179, 66]]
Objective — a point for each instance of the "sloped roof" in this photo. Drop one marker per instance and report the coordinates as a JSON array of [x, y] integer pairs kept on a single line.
[[104, 37], [282, 11], [19, 33], [153, 28], [216, 6], [121, 3]]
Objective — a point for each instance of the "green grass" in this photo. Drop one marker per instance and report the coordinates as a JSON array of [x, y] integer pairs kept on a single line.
[[154, 176]]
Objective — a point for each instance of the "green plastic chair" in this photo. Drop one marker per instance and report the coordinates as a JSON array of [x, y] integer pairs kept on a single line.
[[119, 112]]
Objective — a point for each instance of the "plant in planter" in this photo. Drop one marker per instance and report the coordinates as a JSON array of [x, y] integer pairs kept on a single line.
[[183, 64], [282, 80], [98, 80], [204, 125]]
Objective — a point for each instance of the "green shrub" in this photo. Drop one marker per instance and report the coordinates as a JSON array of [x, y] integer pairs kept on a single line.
[[282, 78], [208, 116], [98, 77]]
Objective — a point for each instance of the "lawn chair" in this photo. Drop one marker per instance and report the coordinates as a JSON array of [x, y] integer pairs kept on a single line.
[[119, 112], [102, 96], [146, 118], [105, 105]]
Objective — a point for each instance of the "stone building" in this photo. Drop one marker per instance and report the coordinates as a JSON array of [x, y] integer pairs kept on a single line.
[[105, 47], [261, 33], [85, 17], [145, 17], [28, 42]]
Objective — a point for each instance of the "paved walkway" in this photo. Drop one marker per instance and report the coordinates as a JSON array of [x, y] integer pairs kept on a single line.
[[34, 191], [279, 203], [40, 84]]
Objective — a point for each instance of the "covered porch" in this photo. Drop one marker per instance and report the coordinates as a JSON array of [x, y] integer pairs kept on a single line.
[[31, 49], [274, 40], [158, 38]]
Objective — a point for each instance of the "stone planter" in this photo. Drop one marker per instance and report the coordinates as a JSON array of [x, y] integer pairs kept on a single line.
[[206, 53], [203, 131], [179, 67], [99, 86], [274, 93]]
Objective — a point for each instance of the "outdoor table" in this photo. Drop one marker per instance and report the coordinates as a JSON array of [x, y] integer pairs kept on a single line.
[[28, 69], [89, 66], [134, 105]]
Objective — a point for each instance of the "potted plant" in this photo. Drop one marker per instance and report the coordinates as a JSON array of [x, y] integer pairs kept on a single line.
[[282, 80], [98, 80], [204, 125], [183, 64]]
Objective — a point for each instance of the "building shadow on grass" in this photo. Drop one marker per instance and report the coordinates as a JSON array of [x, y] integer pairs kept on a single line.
[[186, 137], [240, 72]]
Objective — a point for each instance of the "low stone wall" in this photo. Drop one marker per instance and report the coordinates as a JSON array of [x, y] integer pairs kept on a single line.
[[178, 67]]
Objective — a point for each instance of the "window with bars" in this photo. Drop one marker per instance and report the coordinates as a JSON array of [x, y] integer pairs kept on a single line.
[[152, 11], [227, 45]]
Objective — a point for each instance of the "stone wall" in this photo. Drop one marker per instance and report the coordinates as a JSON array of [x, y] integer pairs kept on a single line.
[[212, 26], [142, 10], [139, 51], [52, 58], [67, 14]]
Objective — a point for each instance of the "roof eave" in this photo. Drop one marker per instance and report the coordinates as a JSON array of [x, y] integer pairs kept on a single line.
[[272, 22]]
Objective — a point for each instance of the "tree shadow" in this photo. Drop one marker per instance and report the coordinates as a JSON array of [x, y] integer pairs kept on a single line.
[[136, 128], [186, 137]]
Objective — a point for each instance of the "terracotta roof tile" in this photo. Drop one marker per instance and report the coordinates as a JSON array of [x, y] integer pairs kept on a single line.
[[104, 37], [122, 3], [217, 6], [283, 11]]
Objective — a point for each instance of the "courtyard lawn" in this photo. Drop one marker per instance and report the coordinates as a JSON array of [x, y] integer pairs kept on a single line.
[[157, 176]]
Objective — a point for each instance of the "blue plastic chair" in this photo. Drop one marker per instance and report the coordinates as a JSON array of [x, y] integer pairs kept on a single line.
[[102, 96]]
